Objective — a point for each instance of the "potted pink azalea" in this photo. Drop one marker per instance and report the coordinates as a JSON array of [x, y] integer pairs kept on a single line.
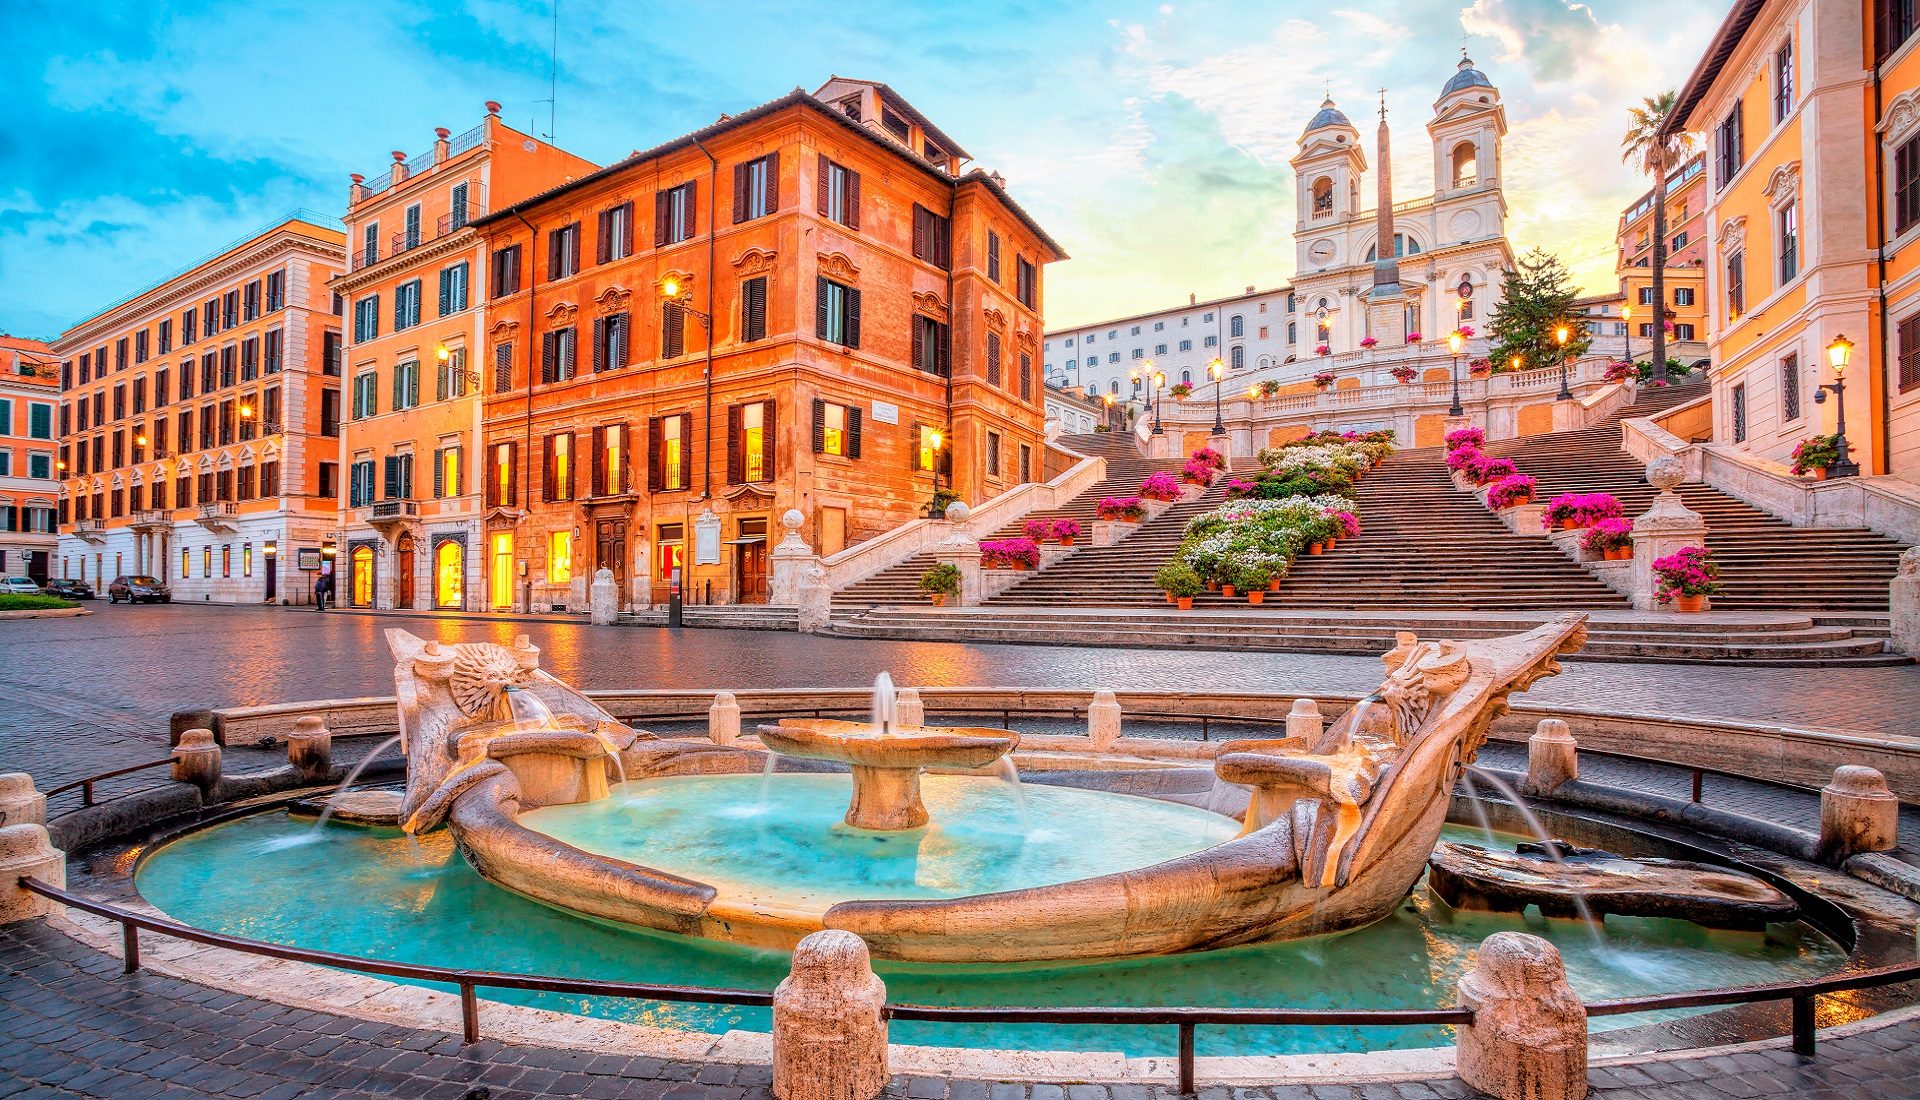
[[1611, 539], [1210, 456], [1488, 469], [1511, 491], [1461, 437], [1160, 487], [1349, 524], [1480, 366], [1686, 577], [1414, 337], [1619, 371], [1064, 531], [1368, 341], [1465, 331], [1323, 379], [1404, 373], [1569, 511], [1322, 349], [1238, 487], [1009, 554], [1198, 471], [1037, 529], [1121, 509], [1459, 458], [1180, 391]]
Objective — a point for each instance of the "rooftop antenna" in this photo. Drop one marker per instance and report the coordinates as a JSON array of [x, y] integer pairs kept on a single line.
[[553, 76]]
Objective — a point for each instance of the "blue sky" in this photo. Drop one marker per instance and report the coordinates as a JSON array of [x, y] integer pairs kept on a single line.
[[1150, 138]]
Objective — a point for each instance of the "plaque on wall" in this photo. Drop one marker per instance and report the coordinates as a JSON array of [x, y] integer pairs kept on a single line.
[[886, 413], [706, 538]]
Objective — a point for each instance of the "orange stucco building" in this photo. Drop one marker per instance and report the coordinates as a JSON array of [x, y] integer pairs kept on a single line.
[[1686, 275], [414, 305], [198, 438], [29, 489], [809, 305]]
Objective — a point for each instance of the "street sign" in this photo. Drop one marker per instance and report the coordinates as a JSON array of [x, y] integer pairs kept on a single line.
[[309, 558]]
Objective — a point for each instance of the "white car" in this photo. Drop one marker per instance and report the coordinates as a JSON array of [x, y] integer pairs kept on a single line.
[[19, 586]]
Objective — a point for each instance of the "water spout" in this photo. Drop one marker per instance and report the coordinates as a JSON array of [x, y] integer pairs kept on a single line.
[[885, 704], [1011, 774], [1547, 843], [351, 776], [527, 711]]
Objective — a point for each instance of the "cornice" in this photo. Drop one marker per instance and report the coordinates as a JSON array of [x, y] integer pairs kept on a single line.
[[438, 248]]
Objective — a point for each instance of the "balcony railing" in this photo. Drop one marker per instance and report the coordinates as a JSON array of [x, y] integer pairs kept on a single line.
[[152, 517], [394, 508], [457, 219], [219, 509]]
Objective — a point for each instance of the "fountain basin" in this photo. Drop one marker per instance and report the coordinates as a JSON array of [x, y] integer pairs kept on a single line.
[[886, 761]]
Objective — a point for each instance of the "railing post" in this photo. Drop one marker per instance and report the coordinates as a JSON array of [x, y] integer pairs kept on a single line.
[[20, 802], [1803, 1028], [830, 1022], [469, 1014], [1698, 778], [129, 947], [1528, 1038], [26, 852], [1185, 1083]]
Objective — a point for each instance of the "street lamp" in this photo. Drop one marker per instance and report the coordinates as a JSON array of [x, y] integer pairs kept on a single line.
[[1838, 354], [461, 375], [1626, 327], [672, 291], [1159, 381], [1456, 343], [1217, 369], [1560, 335]]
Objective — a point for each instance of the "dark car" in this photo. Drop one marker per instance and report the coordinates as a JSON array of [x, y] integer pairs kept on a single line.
[[69, 589], [139, 589]]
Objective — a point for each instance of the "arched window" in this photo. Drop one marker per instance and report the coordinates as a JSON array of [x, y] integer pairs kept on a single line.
[[1236, 326], [1092, 388], [1403, 245], [1323, 196], [1466, 164], [1238, 356], [1186, 377], [1115, 387]]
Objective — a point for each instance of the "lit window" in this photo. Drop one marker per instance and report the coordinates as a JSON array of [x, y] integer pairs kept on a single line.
[[560, 558], [753, 432], [833, 438], [673, 453]]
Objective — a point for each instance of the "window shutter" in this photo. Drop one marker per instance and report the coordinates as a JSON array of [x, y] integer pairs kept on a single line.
[[913, 446], [599, 344], [513, 473], [546, 470], [653, 455], [439, 473], [443, 292], [853, 432], [624, 479], [919, 232], [392, 476], [413, 386], [944, 350], [573, 248], [993, 359], [622, 322], [568, 351], [659, 219], [822, 185], [853, 199], [753, 294], [735, 463], [399, 388], [554, 245], [626, 229], [603, 239], [689, 208], [819, 426], [919, 343], [672, 330], [767, 434], [772, 182], [740, 192], [599, 462], [853, 318], [820, 307], [547, 355]]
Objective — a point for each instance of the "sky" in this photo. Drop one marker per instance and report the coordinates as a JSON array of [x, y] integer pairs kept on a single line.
[[1150, 139]]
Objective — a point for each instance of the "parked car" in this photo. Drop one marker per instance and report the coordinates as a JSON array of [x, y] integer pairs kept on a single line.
[[139, 589], [19, 586], [68, 589]]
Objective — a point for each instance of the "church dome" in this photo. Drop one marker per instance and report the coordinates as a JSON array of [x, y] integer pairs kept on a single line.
[[1466, 77], [1330, 115]]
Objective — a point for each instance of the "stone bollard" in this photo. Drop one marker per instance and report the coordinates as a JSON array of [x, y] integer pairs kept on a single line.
[[1103, 721], [1857, 814], [196, 760], [1904, 604], [603, 598], [310, 748], [829, 1027], [723, 719], [816, 601], [1305, 720], [1528, 1039], [908, 709], [25, 851], [20, 802], [1553, 758]]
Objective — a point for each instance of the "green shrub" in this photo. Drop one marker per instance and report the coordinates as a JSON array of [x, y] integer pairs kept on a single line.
[[13, 601], [941, 580], [1179, 580]]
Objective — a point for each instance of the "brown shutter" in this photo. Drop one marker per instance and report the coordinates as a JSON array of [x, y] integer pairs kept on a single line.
[[620, 348], [603, 238], [547, 353], [573, 248], [819, 426], [599, 462], [820, 307], [573, 464], [654, 466], [919, 232], [913, 446], [821, 184], [692, 200], [626, 229], [625, 473], [740, 192], [853, 318], [767, 450], [659, 219], [773, 181], [599, 344], [548, 478], [853, 199], [553, 254], [919, 342], [735, 465], [944, 335], [853, 432]]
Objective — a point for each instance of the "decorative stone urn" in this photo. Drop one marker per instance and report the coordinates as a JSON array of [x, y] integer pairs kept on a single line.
[[1664, 529]]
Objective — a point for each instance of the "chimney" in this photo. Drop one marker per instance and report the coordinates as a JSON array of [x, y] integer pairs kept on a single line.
[[440, 144], [1249, 290], [1192, 298]]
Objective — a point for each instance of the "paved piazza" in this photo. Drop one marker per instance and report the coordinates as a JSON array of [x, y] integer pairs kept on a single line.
[[81, 695]]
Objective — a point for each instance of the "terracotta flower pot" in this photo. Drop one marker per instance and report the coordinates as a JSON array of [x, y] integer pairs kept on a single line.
[[1068, 541], [1331, 543], [1313, 548], [1213, 586], [1620, 553], [1819, 473], [1184, 603], [939, 599], [1227, 591], [1168, 595], [1273, 585], [1689, 604], [1255, 597], [1569, 525]]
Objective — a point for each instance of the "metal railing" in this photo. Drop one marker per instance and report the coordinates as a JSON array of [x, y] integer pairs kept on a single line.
[[85, 786]]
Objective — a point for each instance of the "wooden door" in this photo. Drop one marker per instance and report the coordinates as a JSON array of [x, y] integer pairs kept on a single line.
[[750, 561], [610, 552], [403, 572]]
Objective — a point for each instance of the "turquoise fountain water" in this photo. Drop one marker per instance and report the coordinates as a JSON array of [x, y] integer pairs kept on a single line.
[[371, 892]]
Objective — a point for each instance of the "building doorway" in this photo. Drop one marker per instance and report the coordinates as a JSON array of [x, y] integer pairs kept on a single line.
[[502, 576], [610, 552], [750, 561], [403, 572], [361, 561], [273, 570], [450, 576]]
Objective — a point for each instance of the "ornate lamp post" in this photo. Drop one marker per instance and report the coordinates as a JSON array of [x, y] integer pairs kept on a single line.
[[1455, 343], [1217, 369], [1560, 335], [938, 440], [1838, 354], [1626, 328], [1159, 383]]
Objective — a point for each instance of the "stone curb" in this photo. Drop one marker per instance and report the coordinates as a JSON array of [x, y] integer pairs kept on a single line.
[[47, 613]]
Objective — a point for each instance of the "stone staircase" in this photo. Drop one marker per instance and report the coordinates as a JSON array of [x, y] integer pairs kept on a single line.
[[1126, 468], [1766, 563]]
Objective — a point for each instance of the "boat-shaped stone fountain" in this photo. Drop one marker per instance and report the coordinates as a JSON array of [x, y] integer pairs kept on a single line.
[[1338, 830]]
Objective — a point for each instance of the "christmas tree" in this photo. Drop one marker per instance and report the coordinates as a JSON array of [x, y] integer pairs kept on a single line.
[[1536, 301]]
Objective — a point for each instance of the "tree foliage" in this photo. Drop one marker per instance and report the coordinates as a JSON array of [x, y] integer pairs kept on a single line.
[[1536, 299]]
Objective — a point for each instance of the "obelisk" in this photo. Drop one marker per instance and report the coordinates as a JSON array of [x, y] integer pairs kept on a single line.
[[1386, 300]]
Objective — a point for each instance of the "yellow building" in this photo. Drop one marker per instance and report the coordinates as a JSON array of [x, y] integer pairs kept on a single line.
[[1813, 209], [1686, 276]]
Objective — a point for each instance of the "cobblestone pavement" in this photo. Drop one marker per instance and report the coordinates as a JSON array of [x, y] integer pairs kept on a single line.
[[76, 1027], [82, 695]]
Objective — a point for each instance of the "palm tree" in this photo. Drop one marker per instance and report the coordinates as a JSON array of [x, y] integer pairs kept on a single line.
[[1657, 153]]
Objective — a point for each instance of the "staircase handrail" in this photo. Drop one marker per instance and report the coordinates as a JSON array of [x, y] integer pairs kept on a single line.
[[882, 552]]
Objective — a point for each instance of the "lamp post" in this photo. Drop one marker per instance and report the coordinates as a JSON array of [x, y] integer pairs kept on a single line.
[[1159, 382], [1217, 369], [1838, 354], [1626, 329], [1107, 400], [1456, 343], [1560, 335], [939, 440]]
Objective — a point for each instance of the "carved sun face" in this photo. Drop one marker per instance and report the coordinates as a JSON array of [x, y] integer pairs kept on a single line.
[[481, 672]]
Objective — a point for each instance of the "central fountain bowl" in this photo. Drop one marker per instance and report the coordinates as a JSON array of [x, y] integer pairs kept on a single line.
[[887, 760]]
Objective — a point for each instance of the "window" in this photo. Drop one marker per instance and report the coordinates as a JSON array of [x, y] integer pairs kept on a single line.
[[750, 443], [926, 451], [837, 313], [1186, 377], [753, 309], [756, 188], [1783, 81], [226, 366], [448, 473], [836, 429], [1893, 23], [187, 334], [251, 309], [1787, 221], [839, 193], [563, 251], [1211, 341], [673, 215], [329, 355], [557, 355], [1238, 357], [457, 206], [556, 478], [406, 385], [39, 421], [453, 289], [502, 484], [1679, 242], [1740, 413], [993, 454], [366, 318], [1322, 196], [993, 261], [502, 368], [668, 437], [1646, 295], [273, 342], [1729, 149], [1026, 283], [930, 346], [1159, 349], [560, 557], [1026, 376], [1186, 345], [249, 359], [359, 484], [993, 359], [276, 291], [1236, 326], [672, 543], [1683, 332], [329, 415], [610, 341], [932, 238], [406, 305], [612, 474], [365, 397], [506, 271], [673, 330], [615, 239], [1790, 387], [1139, 353], [1908, 352], [1736, 285], [229, 309], [140, 346], [1683, 296], [399, 477]]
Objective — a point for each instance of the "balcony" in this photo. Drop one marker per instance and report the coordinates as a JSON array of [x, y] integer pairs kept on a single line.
[[152, 519], [92, 530], [458, 218], [392, 513], [218, 515]]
